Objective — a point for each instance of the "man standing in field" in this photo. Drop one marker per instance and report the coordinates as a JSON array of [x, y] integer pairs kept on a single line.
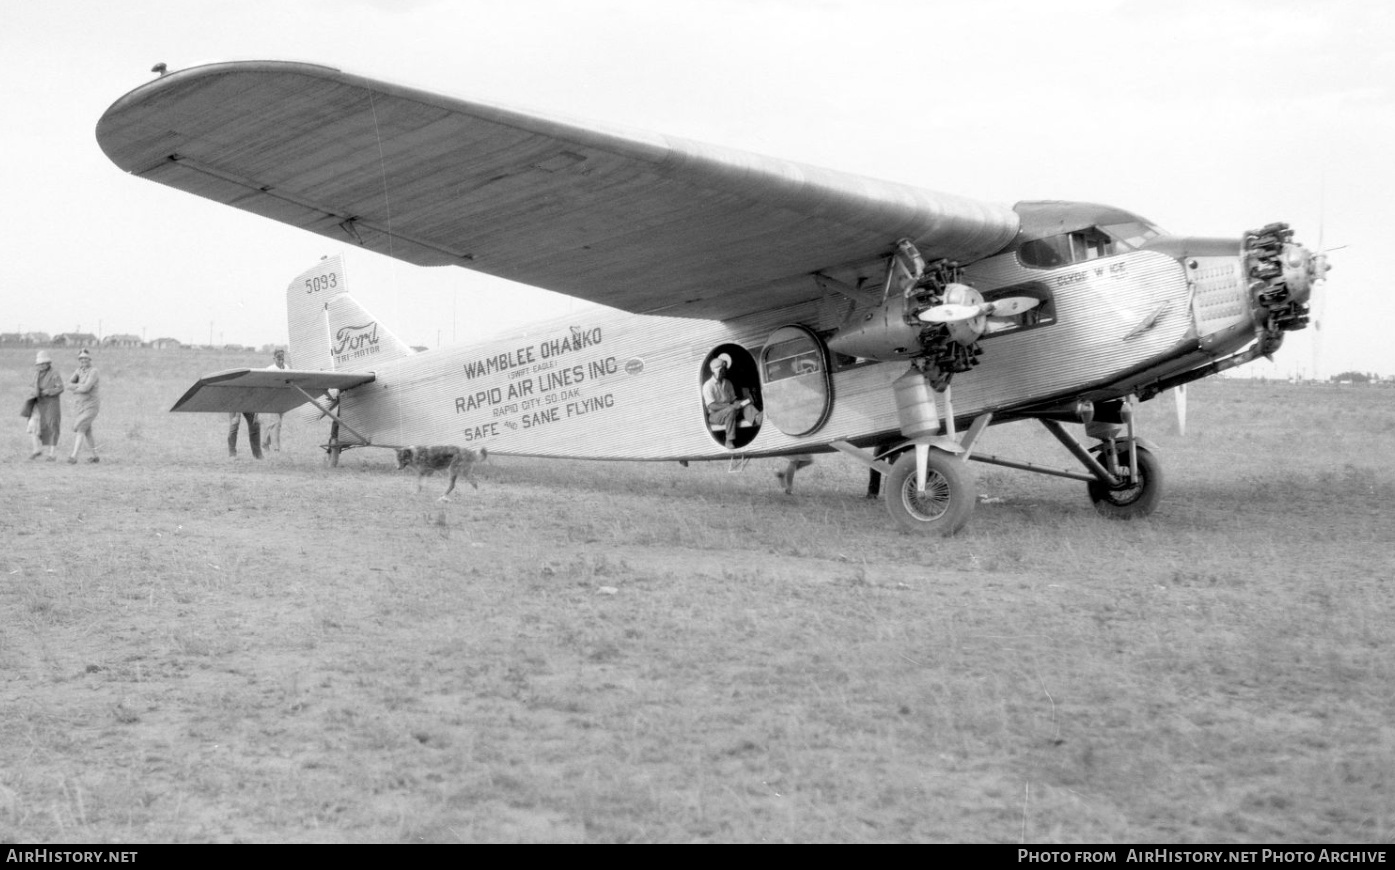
[[271, 430], [786, 477], [83, 386], [254, 433]]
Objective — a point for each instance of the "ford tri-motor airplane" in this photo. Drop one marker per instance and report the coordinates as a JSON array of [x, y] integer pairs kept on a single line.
[[885, 321]]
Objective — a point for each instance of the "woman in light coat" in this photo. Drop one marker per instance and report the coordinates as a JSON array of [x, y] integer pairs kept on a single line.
[[83, 386]]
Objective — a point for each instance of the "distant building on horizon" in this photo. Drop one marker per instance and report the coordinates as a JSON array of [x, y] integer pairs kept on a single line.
[[166, 344], [75, 339], [122, 340]]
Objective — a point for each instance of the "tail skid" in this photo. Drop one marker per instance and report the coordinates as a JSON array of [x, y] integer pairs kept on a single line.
[[328, 330]]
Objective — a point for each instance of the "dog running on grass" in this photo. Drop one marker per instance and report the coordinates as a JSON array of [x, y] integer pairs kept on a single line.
[[459, 461]]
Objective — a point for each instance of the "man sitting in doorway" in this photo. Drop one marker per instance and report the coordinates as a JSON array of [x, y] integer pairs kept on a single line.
[[719, 397]]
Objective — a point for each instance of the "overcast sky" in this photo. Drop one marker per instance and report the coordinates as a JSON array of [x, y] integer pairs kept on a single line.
[[1209, 118]]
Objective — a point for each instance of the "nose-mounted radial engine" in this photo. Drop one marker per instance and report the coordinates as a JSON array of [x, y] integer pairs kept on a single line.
[[1282, 275]]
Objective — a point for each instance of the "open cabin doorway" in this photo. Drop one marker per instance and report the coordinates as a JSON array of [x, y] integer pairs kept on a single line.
[[744, 380]]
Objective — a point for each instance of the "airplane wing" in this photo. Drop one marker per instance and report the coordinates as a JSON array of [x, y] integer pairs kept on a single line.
[[263, 391], [636, 221]]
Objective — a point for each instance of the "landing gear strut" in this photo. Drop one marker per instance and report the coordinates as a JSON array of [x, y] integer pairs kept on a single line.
[[1125, 482], [930, 487], [1136, 495]]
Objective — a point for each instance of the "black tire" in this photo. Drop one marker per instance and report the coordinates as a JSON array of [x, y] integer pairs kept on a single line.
[[947, 502], [1136, 500]]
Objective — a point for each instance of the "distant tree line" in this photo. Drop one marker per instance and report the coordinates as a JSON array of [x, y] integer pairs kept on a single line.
[[1356, 378], [87, 339]]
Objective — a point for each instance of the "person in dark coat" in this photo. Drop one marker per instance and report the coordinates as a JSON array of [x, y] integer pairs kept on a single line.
[[46, 417]]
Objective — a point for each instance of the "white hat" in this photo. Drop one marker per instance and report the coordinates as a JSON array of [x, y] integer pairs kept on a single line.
[[84, 354], [42, 357], [720, 359]]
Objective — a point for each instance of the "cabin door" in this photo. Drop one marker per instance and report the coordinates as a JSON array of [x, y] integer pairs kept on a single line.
[[795, 380]]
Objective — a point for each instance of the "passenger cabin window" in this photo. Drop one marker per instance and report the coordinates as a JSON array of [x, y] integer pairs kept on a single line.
[[787, 359], [795, 382]]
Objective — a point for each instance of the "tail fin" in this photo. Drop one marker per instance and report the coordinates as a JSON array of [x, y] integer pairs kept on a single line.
[[329, 331]]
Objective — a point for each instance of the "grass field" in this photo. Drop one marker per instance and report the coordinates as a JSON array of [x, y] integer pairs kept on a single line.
[[197, 650]]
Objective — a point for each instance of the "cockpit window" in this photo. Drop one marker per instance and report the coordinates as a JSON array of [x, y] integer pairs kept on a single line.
[[1091, 244], [1132, 235], [1045, 253], [1080, 246]]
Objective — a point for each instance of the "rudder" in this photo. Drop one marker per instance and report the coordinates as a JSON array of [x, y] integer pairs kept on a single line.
[[328, 330]]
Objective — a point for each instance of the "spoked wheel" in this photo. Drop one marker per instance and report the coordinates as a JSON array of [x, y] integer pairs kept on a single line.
[[945, 505], [1137, 498]]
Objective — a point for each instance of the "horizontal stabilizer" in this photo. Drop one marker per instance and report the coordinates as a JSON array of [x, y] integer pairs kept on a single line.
[[263, 391]]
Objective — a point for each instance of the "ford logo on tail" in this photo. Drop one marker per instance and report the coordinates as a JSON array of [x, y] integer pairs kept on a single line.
[[356, 340]]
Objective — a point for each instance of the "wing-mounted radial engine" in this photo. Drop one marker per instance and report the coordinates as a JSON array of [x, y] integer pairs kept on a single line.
[[955, 316], [952, 319], [932, 320], [927, 317], [951, 316]]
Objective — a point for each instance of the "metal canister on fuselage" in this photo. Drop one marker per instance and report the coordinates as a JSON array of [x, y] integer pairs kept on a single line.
[[915, 405]]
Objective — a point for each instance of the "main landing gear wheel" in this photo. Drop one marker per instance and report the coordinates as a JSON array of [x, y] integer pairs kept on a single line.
[[945, 505], [1137, 498]]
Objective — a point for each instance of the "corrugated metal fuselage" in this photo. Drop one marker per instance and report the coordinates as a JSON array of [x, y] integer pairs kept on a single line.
[[606, 384]]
